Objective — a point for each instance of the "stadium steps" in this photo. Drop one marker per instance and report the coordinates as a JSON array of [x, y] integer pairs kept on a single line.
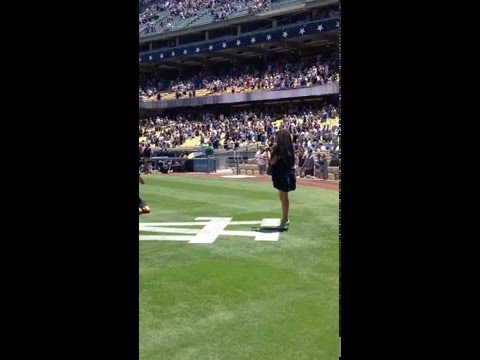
[[198, 19], [179, 23], [281, 3], [238, 14], [205, 18], [162, 16]]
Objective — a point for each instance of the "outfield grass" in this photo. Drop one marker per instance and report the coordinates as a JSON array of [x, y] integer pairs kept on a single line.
[[238, 298]]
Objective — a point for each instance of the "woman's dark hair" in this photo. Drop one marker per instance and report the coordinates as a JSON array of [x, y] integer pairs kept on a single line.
[[284, 147]]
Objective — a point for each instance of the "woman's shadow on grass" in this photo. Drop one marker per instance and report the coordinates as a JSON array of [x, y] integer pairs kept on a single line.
[[270, 230]]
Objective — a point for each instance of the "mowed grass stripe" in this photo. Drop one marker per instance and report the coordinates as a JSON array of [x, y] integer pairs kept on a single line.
[[238, 298], [239, 195], [244, 331], [270, 298]]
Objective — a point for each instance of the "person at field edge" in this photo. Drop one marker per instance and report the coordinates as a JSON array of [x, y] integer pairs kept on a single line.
[[143, 208], [261, 158], [147, 156], [309, 163], [324, 167], [282, 160]]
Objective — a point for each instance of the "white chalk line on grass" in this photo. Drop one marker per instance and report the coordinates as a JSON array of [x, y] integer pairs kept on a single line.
[[212, 229]]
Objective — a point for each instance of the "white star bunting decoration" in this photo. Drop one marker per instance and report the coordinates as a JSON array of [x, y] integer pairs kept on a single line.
[[173, 53], [320, 27], [185, 52], [139, 59], [338, 24], [302, 31], [150, 57], [269, 37], [285, 34], [197, 50], [253, 40], [210, 48], [238, 42], [224, 45], [161, 56]]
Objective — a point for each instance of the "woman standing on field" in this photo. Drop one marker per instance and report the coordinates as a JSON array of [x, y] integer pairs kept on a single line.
[[282, 160]]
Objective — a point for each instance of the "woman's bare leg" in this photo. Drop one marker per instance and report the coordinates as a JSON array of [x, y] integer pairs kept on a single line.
[[285, 206]]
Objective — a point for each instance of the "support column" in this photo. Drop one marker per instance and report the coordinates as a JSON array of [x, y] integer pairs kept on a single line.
[[179, 69]]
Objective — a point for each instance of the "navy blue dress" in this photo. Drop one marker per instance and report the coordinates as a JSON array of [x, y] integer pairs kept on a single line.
[[283, 176]]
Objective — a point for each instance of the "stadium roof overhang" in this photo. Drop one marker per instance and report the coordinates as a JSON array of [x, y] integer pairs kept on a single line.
[[310, 42]]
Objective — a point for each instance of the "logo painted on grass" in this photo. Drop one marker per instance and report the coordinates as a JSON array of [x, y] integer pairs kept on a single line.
[[213, 227]]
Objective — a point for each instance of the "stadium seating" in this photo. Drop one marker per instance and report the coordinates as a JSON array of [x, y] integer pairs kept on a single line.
[[204, 16]]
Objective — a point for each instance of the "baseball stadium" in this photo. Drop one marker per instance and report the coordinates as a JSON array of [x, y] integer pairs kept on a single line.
[[221, 275]]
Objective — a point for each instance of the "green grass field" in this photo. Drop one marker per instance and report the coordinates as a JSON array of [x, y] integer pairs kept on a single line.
[[238, 298]]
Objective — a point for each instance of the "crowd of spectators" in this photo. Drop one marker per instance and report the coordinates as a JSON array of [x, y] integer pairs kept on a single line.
[[167, 11], [158, 15], [223, 8], [315, 129], [308, 71]]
